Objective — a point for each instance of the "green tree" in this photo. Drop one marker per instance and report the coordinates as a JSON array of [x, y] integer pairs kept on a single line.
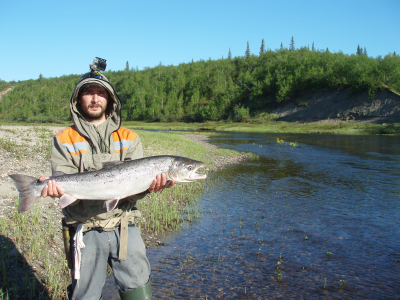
[[262, 49], [312, 48], [281, 46], [229, 54], [127, 66], [247, 53], [291, 44], [365, 51]]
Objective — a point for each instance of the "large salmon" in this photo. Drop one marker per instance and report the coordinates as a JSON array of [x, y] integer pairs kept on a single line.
[[116, 180]]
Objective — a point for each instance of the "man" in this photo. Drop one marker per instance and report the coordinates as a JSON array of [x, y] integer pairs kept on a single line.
[[95, 138]]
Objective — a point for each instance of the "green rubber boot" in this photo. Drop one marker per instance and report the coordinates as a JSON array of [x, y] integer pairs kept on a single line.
[[140, 293]]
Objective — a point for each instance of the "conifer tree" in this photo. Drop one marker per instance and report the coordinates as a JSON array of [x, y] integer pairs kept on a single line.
[[247, 51], [365, 51], [262, 49], [127, 66], [291, 44], [358, 50], [229, 54], [394, 53], [312, 48], [281, 46]]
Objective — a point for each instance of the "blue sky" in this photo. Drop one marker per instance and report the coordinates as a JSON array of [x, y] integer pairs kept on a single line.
[[56, 38]]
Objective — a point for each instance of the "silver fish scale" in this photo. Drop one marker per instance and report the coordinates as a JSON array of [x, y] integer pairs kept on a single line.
[[119, 181]]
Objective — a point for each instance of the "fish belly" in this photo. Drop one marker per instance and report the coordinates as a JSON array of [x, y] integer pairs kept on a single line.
[[106, 188]]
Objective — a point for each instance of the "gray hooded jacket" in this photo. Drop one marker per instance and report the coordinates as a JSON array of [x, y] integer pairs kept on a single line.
[[84, 147]]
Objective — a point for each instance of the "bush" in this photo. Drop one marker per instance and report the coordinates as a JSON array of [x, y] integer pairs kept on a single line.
[[241, 114]]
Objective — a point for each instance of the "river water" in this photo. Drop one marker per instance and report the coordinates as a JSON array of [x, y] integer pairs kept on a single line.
[[314, 217]]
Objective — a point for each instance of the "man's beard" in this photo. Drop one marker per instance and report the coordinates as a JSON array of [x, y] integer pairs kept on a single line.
[[94, 115]]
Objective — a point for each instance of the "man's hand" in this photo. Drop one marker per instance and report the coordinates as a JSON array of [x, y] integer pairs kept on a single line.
[[159, 183], [51, 189]]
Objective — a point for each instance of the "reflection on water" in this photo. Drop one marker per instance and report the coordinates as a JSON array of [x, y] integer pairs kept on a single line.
[[316, 220]]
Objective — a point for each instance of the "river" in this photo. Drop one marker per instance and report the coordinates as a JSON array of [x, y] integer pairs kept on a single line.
[[314, 217]]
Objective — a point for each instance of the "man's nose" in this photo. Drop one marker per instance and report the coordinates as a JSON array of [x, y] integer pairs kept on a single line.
[[95, 97]]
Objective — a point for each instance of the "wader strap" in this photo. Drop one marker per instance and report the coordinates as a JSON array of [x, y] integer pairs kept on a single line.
[[123, 237]]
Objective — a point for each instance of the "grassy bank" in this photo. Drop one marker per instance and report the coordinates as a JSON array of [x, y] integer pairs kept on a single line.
[[255, 125], [31, 249]]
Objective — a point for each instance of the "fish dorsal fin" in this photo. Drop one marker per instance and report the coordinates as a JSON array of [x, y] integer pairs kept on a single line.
[[110, 164], [58, 173], [66, 200], [111, 204]]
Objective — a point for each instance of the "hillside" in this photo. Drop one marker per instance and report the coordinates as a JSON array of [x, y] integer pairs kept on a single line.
[[341, 105], [233, 89]]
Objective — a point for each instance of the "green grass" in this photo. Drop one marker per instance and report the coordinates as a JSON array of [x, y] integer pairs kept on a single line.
[[34, 235], [272, 126]]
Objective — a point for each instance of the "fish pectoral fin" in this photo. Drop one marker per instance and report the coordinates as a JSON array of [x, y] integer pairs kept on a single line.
[[111, 164], [166, 184], [111, 204], [66, 200]]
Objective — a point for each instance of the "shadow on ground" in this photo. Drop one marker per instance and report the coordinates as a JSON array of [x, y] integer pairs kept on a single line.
[[17, 278]]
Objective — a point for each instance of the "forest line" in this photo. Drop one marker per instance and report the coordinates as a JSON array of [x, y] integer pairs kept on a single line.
[[231, 88]]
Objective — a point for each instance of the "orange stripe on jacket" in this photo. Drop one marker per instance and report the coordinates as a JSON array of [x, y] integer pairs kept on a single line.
[[72, 140], [123, 139]]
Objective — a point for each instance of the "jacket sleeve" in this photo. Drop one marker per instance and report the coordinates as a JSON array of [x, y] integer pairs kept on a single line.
[[61, 160], [135, 151]]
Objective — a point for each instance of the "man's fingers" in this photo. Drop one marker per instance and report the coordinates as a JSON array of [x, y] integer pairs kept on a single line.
[[152, 186], [158, 178], [44, 192], [60, 191], [43, 178], [163, 179], [52, 188], [159, 183]]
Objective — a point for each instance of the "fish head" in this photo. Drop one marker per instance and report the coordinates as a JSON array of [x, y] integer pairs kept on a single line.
[[184, 170]]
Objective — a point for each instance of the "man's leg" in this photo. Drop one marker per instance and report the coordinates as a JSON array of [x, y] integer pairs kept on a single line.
[[93, 268], [132, 275]]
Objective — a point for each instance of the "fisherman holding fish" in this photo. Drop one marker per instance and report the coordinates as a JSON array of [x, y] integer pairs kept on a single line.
[[101, 236]]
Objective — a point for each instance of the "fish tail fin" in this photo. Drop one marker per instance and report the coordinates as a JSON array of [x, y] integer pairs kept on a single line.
[[26, 198]]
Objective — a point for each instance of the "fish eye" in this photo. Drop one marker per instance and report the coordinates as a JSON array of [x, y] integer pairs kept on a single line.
[[189, 168]]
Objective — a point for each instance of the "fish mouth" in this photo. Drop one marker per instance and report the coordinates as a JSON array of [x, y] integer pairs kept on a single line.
[[195, 176]]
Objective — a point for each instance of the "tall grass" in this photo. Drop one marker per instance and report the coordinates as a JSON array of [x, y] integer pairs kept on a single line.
[[30, 240]]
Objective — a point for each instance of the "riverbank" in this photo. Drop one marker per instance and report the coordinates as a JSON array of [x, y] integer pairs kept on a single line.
[[31, 245], [264, 124]]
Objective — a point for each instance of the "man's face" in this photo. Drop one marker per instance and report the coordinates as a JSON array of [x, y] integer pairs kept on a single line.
[[94, 102]]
